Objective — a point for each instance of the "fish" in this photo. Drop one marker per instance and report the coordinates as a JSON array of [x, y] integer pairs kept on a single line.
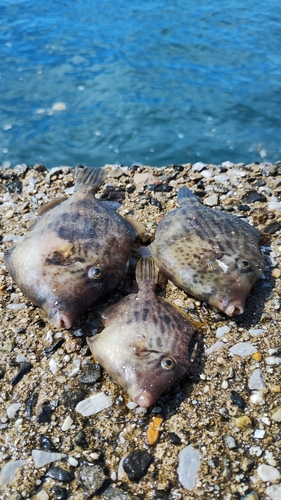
[[213, 256], [74, 253], [145, 343]]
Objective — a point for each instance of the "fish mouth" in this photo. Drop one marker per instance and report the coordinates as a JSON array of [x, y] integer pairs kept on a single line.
[[62, 320], [234, 308], [144, 399]]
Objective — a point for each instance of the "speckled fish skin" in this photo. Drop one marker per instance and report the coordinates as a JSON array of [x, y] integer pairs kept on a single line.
[[144, 346], [74, 253], [212, 255]]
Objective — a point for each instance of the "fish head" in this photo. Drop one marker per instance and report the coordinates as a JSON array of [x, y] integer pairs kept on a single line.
[[233, 284], [143, 372]]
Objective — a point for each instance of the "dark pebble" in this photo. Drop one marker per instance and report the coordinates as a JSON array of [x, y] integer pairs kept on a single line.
[[60, 493], [163, 188], [272, 227], [244, 208], [136, 464], [80, 440], [91, 373], [2, 372], [60, 474], [72, 397], [269, 169], [174, 438], [112, 493], [21, 330], [47, 444], [45, 414], [131, 189], [53, 348], [30, 403], [14, 186], [200, 185], [178, 168], [237, 400], [253, 196], [155, 203], [92, 477], [24, 369]]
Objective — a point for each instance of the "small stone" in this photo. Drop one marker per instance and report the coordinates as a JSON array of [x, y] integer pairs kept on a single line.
[[247, 464], [268, 473], [259, 434], [276, 416], [274, 491], [273, 360], [189, 463], [256, 332], [115, 493], [256, 381], [8, 471], [276, 273], [174, 438], [215, 347], [211, 201], [72, 397], [251, 496], [67, 423], [92, 477], [94, 404], [41, 458], [90, 373], [41, 495], [197, 167], [80, 439], [257, 398], [60, 474], [73, 462], [142, 179], [237, 400], [275, 388], [47, 444], [257, 356], [45, 414], [60, 492], [9, 214], [136, 464], [243, 349], [253, 197], [222, 330], [230, 442], [13, 409], [243, 422]]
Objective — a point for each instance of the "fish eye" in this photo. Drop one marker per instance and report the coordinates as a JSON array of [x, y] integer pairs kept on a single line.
[[96, 272], [244, 265], [168, 363]]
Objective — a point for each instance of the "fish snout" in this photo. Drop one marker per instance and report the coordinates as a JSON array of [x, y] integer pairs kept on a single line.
[[234, 307], [144, 399], [62, 320]]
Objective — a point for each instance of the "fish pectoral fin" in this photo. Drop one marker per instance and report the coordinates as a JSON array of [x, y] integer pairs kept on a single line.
[[138, 226], [51, 204]]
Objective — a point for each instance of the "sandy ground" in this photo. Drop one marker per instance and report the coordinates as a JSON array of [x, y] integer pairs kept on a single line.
[[239, 457]]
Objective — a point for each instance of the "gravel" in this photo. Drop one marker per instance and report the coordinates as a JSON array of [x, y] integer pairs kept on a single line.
[[47, 373]]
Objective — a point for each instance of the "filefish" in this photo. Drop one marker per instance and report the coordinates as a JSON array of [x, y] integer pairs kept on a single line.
[[75, 252], [212, 255], [145, 343]]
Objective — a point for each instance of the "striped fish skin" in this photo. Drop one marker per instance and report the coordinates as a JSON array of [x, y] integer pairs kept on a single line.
[[74, 253], [144, 346], [212, 255]]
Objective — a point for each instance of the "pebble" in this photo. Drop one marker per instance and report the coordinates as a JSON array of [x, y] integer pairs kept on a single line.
[[115, 493], [41, 458], [276, 273], [8, 471], [42, 495], [243, 349], [92, 477], [257, 398], [274, 491], [215, 347], [256, 332], [256, 381], [259, 434], [273, 360], [221, 331], [80, 439], [254, 196], [144, 179], [13, 409], [60, 474], [71, 398], [67, 423], [251, 496], [243, 422], [189, 463], [60, 492], [211, 201], [230, 442], [47, 444], [276, 416], [90, 373], [268, 473], [25, 368], [237, 400], [136, 464], [257, 356], [152, 433], [45, 414], [93, 404]]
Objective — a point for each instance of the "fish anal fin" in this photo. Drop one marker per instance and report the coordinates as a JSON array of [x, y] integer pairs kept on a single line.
[[138, 226]]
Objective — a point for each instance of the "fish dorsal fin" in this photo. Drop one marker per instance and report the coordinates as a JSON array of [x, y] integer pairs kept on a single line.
[[146, 270], [113, 311], [192, 321], [89, 176], [51, 204], [185, 194], [138, 226]]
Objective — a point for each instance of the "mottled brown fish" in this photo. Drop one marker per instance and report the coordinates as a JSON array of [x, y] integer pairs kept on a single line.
[[212, 255], [144, 346], [75, 252]]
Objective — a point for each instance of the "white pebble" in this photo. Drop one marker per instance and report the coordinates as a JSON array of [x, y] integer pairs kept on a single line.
[[13, 409], [257, 398], [93, 404], [41, 458], [197, 167], [49, 336], [224, 384], [268, 473], [189, 463], [42, 495], [16, 307], [67, 423], [14, 238], [274, 491], [215, 347], [270, 460], [8, 471], [72, 461], [131, 405], [221, 331], [259, 434], [256, 381], [76, 367], [273, 360], [53, 366], [256, 332], [20, 358], [243, 349]]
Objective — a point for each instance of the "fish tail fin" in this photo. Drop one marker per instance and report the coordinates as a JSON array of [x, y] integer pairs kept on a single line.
[[185, 194], [90, 176], [146, 270]]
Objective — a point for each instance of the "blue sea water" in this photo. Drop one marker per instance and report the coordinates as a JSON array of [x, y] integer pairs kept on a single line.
[[148, 82]]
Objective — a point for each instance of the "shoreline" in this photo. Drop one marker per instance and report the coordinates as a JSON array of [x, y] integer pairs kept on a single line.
[[237, 441]]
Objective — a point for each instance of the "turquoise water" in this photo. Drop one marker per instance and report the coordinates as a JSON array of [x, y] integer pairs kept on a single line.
[[151, 82]]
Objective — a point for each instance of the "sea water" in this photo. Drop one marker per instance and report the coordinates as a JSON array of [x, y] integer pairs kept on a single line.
[[147, 82]]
